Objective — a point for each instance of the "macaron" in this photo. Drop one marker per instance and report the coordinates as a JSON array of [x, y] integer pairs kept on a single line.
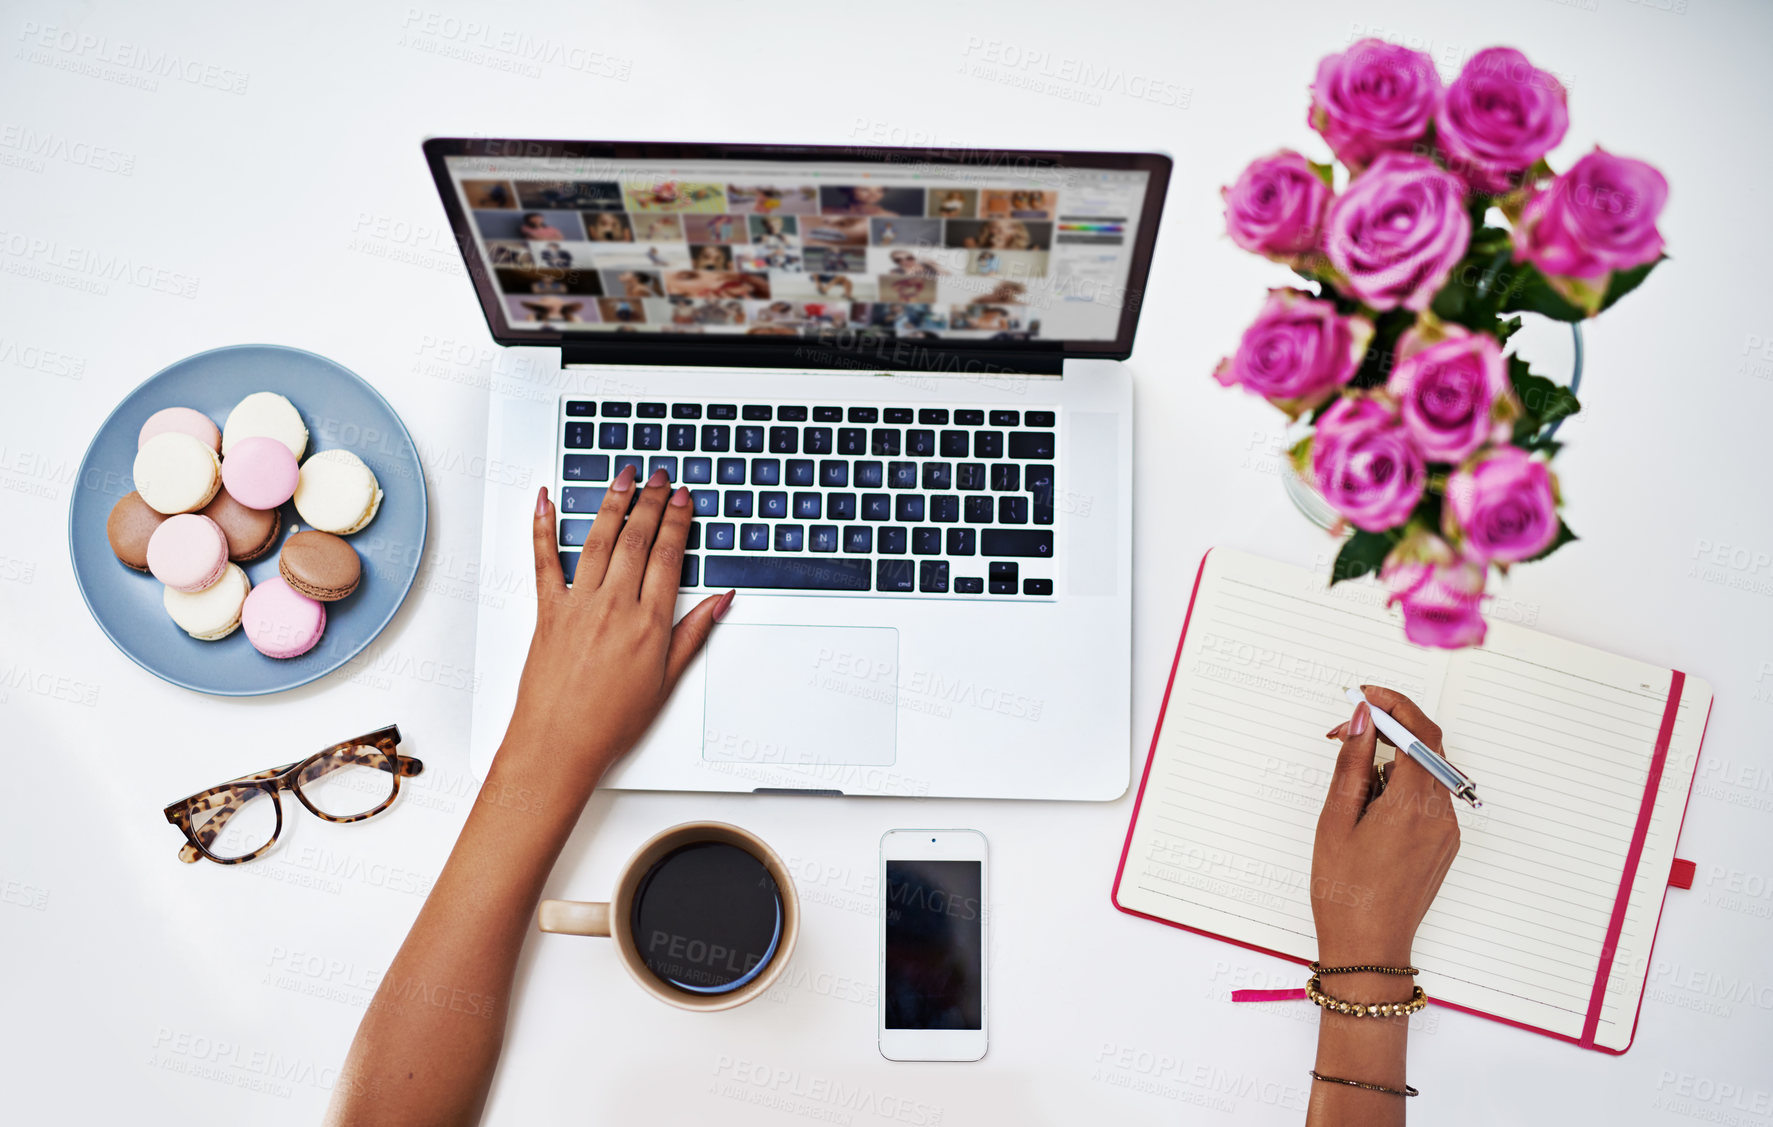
[[176, 473], [188, 552], [251, 533], [337, 492], [280, 621], [265, 414], [320, 565], [260, 472], [131, 523], [180, 420], [213, 613]]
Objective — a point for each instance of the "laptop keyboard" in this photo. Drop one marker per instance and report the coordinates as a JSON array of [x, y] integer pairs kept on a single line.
[[874, 500]]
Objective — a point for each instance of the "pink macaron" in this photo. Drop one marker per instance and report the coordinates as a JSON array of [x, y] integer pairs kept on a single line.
[[181, 420], [188, 552], [260, 473], [280, 621]]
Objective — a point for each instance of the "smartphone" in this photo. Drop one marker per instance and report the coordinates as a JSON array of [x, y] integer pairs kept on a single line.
[[932, 945]]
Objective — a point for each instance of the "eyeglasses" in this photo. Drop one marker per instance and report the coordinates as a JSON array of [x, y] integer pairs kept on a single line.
[[240, 819]]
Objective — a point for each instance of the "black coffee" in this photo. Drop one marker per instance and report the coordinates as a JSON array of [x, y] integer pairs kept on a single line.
[[707, 917]]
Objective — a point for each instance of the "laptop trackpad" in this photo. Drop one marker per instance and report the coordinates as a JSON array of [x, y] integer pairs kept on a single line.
[[802, 694]]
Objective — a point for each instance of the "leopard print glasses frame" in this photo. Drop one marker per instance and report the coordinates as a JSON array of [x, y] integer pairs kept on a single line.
[[344, 775]]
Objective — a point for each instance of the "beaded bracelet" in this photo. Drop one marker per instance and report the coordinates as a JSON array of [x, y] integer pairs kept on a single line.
[[1406, 1090], [1315, 991], [1364, 968]]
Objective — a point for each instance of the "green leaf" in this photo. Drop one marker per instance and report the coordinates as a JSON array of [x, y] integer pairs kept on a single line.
[[1324, 172], [1625, 281], [1542, 401], [1531, 293], [1507, 329], [1361, 555], [1375, 366], [1564, 537]]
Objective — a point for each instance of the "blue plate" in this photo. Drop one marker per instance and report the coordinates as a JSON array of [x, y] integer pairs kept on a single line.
[[341, 411]]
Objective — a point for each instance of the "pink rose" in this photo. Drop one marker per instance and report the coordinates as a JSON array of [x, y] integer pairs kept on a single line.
[[1596, 218], [1277, 206], [1298, 352], [1373, 97], [1454, 396], [1365, 466], [1397, 232], [1501, 115], [1504, 506], [1441, 595]]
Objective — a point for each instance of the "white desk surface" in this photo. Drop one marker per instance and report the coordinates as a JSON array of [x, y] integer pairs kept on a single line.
[[275, 160]]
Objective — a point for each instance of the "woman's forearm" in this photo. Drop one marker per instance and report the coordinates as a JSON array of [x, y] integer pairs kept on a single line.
[[1368, 1049]]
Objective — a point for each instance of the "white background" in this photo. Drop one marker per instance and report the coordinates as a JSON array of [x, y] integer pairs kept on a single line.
[[138, 988]]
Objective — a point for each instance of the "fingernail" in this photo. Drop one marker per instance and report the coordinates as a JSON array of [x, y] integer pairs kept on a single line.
[[657, 479], [1334, 732], [624, 480], [542, 502], [680, 498], [1358, 722], [725, 604]]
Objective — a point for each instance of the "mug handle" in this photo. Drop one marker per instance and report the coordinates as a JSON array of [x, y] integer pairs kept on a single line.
[[574, 917]]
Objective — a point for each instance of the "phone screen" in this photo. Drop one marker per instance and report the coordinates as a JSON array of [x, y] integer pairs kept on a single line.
[[935, 956]]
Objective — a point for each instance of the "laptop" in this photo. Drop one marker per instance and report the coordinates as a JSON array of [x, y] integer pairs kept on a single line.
[[890, 378]]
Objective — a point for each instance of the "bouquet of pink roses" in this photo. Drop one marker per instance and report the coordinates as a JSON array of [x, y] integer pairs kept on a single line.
[[1429, 441]]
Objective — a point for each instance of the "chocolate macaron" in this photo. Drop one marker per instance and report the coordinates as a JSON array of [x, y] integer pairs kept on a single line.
[[131, 523], [320, 565], [251, 533]]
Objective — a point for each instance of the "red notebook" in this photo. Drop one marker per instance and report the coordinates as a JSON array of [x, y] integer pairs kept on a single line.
[[1547, 918]]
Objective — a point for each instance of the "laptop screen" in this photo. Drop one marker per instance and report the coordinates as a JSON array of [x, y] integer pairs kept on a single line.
[[1008, 250]]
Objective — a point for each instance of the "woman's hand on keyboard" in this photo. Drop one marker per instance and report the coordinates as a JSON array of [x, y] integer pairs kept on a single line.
[[605, 655]]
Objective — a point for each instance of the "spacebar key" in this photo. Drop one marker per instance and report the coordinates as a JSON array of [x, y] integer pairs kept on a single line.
[[785, 573], [1016, 542]]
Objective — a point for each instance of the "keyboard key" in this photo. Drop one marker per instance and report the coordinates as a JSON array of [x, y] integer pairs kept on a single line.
[[868, 475], [920, 443], [706, 502], [877, 506], [789, 537], [969, 475], [585, 467], [1006, 418], [1012, 510], [626, 461], [1031, 444], [716, 437], [841, 506], [698, 471], [960, 541], [686, 410], [969, 418], [1038, 419], [938, 475], [650, 410], [971, 585], [852, 441], [680, 436], [926, 541], [807, 506], [617, 410], [894, 575], [772, 504], [581, 436], [573, 532], [730, 471], [892, 541], [800, 471], [691, 571], [898, 414], [569, 564], [738, 503], [932, 577], [864, 415], [1003, 578], [748, 440], [828, 414], [581, 407], [884, 443], [754, 537], [1016, 542], [834, 474], [818, 440], [955, 443], [766, 471], [978, 510], [988, 444], [1037, 586], [580, 499], [945, 509], [901, 475], [720, 537], [1040, 488], [693, 539], [822, 537], [791, 414], [722, 411], [663, 462], [784, 440], [858, 539], [612, 436], [756, 412], [933, 416], [908, 508], [1006, 478], [776, 573]]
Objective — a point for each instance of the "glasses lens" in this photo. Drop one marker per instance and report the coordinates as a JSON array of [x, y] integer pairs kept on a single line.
[[348, 781], [235, 822]]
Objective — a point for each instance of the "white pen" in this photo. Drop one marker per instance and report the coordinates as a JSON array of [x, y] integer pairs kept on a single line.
[[1444, 773]]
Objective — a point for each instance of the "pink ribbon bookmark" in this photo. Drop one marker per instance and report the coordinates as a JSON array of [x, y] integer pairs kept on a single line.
[[1267, 995]]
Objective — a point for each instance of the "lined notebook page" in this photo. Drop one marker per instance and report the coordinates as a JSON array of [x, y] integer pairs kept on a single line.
[[1223, 838]]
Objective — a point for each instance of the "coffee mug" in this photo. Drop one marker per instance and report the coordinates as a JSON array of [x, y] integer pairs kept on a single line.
[[704, 916]]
